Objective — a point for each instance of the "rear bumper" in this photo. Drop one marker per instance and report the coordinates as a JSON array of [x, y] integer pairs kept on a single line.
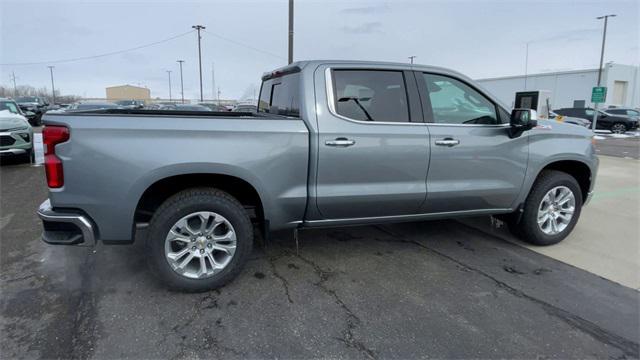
[[65, 228]]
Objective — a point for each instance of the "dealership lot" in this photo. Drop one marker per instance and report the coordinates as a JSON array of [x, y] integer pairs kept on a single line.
[[437, 289]]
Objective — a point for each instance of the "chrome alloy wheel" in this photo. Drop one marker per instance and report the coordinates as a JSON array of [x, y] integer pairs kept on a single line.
[[618, 128], [556, 210], [200, 245]]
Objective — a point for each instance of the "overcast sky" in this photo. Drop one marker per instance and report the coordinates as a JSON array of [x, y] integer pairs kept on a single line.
[[244, 39]]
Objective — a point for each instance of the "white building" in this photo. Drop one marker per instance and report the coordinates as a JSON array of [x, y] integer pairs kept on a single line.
[[567, 87]]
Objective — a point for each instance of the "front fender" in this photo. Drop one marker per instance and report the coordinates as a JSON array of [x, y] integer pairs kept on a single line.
[[547, 148]]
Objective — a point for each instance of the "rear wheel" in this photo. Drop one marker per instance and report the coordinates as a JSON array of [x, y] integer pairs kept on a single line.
[[618, 128], [199, 239], [551, 210]]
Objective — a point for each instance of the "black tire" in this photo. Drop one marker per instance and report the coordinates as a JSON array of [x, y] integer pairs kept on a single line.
[[185, 203], [527, 229], [29, 157], [614, 128]]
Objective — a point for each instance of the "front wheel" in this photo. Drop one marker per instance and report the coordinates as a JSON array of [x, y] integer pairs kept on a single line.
[[618, 128], [551, 210], [199, 239]]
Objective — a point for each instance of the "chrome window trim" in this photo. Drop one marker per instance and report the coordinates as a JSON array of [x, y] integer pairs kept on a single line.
[[332, 107]]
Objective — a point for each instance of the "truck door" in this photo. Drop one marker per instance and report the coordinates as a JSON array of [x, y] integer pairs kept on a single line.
[[373, 146], [475, 165]]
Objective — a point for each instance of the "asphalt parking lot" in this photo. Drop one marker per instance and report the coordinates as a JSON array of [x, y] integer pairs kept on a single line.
[[443, 289]]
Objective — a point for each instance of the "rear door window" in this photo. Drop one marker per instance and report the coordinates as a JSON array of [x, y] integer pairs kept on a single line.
[[371, 95]]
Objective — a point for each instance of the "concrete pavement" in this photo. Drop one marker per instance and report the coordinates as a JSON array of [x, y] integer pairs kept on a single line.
[[415, 290], [606, 240]]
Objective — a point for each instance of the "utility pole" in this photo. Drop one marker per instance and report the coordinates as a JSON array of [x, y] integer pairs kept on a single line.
[[169, 72], [199, 27], [604, 38], [15, 87], [290, 31], [526, 65], [53, 89], [218, 95], [181, 83], [411, 58], [213, 81]]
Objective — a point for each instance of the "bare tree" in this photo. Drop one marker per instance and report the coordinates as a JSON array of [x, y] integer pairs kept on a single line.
[[27, 90]]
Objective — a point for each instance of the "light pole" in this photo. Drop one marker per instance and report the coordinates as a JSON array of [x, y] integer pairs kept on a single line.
[[411, 58], [526, 65], [181, 83], [15, 87], [53, 89], [169, 73], [213, 82], [290, 31], [604, 38], [198, 28]]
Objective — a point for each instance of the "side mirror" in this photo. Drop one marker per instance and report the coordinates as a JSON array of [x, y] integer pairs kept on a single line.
[[522, 120]]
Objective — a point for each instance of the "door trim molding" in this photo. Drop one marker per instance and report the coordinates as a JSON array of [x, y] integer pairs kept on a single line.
[[401, 218]]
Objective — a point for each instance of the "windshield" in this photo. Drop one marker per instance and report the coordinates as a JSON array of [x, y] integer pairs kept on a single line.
[[27, 99], [9, 105]]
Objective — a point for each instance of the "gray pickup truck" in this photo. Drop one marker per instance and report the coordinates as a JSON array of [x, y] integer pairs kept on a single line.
[[332, 143]]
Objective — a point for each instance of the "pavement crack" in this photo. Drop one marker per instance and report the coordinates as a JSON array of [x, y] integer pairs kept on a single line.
[[353, 321], [85, 325], [285, 282], [628, 347]]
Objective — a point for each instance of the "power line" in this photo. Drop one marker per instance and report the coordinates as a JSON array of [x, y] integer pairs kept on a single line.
[[99, 55], [244, 45]]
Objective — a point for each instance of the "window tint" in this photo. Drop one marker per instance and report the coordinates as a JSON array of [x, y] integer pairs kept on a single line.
[[505, 116], [280, 96], [7, 105], [454, 102], [371, 95]]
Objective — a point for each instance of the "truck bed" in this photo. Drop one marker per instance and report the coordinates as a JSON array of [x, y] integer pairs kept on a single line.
[[113, 156]]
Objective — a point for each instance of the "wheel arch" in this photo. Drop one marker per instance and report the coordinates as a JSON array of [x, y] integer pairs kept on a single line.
[[579, 170], [152, 191]]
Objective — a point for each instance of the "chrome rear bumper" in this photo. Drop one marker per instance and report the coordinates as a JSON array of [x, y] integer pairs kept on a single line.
[[65, 228]]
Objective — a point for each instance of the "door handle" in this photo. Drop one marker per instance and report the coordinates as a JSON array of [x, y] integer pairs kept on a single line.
[[340, 142], [447, 142]]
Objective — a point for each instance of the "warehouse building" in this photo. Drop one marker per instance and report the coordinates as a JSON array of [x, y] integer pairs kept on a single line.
[[128, 92], [573, 88]]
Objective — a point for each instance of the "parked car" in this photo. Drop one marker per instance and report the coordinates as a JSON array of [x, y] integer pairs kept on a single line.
[[16, 136], [91, 105], [569, 119], [632, 113], [246, 108], [130, 104], [333, 144], [614, 123], [214, 107], [185, 107], [35, 104], [13, 107]]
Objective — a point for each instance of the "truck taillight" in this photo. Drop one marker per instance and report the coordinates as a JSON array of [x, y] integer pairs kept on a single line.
[[51, 136]]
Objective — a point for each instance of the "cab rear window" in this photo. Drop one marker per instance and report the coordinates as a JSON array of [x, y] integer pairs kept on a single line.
[[281, 96]]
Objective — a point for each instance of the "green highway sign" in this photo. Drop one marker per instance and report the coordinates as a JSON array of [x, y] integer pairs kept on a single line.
[[598, 94]]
